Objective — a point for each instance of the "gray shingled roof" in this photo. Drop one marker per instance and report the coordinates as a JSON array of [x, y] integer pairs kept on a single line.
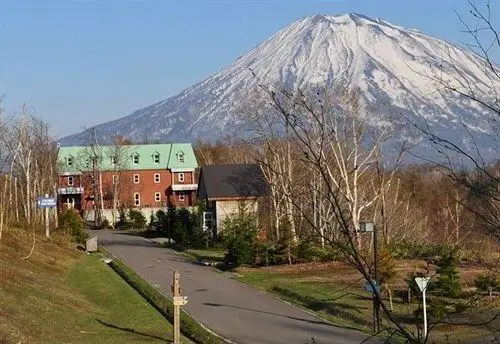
[[231, 181]]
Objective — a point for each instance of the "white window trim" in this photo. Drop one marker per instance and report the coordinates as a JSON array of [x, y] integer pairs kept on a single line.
[[156, 155], [157, 180], [180, 158], [138, 179], [71, 178], [69, 161], [137, 199], [116, 179], [114, 160], [182, 197], [157, 197], [180, 177], [134, 156]]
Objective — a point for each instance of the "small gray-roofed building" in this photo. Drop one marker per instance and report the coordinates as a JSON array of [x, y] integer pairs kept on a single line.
[[229, 189]]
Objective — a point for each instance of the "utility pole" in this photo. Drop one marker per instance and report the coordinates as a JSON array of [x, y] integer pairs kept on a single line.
[[178, 302], [376, 304], [373, 286]]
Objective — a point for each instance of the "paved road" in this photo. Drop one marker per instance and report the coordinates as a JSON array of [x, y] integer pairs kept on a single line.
[[232, 309]]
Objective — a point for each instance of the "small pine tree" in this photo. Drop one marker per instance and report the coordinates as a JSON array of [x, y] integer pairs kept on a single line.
[[240, 237], [448, 282], [137, 219], [152, 222], [161, 221], [387, 271], [71, 223], [123, 222]]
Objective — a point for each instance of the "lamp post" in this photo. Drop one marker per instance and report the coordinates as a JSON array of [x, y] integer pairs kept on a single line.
[[369, 227]]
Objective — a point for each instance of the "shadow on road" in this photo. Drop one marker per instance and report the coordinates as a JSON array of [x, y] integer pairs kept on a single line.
[[271, 313], [131, 330], [118, 242]]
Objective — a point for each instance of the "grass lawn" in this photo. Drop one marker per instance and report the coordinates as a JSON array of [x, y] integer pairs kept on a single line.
[[214, 255], [60, 295], [335, 292]]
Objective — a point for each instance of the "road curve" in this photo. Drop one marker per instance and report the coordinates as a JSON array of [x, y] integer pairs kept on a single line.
[[234, 310]]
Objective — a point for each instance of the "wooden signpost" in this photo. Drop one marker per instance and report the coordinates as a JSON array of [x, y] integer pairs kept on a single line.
[[46, 202], [178, 302]]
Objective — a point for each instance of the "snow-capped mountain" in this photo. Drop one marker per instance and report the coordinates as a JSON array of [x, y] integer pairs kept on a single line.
[[391, 66]]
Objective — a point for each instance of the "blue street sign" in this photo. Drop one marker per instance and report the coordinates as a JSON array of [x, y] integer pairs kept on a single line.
[[46, 202], [368, 287]]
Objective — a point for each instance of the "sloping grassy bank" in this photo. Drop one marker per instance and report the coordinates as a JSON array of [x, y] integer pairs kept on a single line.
[[61, 295], [189, 327]]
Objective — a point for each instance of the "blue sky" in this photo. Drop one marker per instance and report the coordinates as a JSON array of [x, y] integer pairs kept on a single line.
[[80, 63]]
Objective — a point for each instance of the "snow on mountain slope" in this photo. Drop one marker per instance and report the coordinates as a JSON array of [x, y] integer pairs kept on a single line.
[[389, 64]]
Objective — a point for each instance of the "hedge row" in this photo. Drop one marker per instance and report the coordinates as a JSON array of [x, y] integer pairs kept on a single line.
[[189, 327]]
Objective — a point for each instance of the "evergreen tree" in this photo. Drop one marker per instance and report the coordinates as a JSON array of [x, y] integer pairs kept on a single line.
[[448, 282]]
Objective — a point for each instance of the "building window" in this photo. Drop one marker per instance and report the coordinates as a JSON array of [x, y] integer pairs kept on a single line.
[[180, 157], [136, 179], [156, 158], [182, 197], [137, 199], [180, 177], [157, 178], [208, 220], [69, 161], [157, 197], [114, 160], [135, 159], [115, 179], [70, 181]]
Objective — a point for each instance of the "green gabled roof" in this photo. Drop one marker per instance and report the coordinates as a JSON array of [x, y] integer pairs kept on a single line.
[[168, 157], [189, 157]]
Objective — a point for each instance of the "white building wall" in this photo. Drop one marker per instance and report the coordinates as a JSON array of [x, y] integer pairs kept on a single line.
[[88, 216], [224, 209]]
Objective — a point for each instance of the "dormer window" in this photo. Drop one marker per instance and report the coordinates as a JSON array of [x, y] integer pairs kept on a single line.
[[69, 161], [135, 159], [114, 160], [180, 157], [156, 158]]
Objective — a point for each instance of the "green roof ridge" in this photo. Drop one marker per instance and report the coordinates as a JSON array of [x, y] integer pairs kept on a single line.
[[167, 151]]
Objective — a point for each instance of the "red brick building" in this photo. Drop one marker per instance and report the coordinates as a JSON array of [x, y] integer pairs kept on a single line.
[[146, 177]]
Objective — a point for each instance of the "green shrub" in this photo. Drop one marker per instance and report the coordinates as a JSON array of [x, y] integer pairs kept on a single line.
[[185, 229], [105, 224], [416, 294], [484, 282], [152, 222], [123, 222], [137, 219], [415, 249], [240, 237], [161, 223], [71, 223], [308, 251]]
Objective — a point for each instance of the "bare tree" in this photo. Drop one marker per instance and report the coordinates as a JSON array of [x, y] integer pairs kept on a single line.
[[28, 165], [334, 142], [478, 176], [89, 162], [119, 155]]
